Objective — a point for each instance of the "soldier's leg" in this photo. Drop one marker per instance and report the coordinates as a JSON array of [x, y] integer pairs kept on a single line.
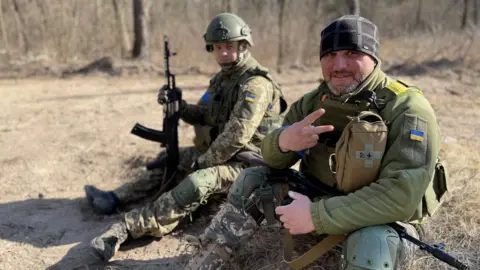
[[377, 247], [232, 226], [163, 215], [143, 184]]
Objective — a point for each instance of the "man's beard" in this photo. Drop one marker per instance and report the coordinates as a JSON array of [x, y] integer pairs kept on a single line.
[[347, 88], [343, 90]]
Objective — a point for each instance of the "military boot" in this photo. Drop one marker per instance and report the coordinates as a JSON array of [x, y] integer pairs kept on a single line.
[[210, 256], [104, 202], [108, 243]]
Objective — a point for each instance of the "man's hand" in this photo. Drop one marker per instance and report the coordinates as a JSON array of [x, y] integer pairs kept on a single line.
[[302, 135], [296, 216], [162, 98]]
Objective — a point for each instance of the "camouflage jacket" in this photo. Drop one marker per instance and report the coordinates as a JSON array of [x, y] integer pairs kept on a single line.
[[235, 113]]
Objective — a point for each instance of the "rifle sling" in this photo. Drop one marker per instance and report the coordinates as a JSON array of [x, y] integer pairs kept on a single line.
[[310, 256]]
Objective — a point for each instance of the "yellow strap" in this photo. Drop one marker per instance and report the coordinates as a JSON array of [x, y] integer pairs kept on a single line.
[[398, 88], [310, 256]]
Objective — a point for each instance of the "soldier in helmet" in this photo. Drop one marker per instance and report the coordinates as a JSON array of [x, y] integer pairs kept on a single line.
[[361, 132], [241, 105]]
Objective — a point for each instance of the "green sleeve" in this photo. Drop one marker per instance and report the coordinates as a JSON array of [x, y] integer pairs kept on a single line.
[[193, 114], [271, 152], [407, 167]]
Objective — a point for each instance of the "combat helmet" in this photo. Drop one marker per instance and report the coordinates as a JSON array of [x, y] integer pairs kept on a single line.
[[227, 27]]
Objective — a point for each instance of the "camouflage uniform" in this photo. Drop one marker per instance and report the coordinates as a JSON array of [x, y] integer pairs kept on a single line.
[[404, 190], [242, 105]]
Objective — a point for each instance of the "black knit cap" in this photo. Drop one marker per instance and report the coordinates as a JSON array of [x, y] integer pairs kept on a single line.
[[350, 32]]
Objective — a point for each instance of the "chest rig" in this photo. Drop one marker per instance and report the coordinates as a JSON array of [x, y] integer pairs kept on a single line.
[[348, 157], [224, 92]]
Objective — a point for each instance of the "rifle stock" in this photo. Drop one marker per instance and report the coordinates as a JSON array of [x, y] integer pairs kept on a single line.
[[313, 188]]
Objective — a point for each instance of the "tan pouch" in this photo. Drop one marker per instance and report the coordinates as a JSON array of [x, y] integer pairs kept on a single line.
[[437, 189], [359, 151]]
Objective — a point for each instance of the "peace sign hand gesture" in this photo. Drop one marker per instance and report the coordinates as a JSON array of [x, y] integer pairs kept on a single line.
[[303, 135]]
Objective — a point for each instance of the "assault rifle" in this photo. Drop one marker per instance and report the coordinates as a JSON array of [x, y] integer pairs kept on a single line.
[[313, 188], [168, 137]]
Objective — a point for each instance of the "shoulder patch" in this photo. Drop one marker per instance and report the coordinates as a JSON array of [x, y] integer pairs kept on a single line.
[[250, 97], [206, 97], [399, 88]]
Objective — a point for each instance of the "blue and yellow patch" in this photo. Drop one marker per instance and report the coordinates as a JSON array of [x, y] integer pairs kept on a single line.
[[416, 135], [250, 97], [205, 98]]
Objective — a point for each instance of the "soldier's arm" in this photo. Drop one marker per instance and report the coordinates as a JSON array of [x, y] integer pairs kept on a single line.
[[407, 168], [194, 114], [248, 112], [271, 152]]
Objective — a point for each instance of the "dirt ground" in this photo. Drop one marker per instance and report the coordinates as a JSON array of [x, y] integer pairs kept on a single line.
[[56, 135]]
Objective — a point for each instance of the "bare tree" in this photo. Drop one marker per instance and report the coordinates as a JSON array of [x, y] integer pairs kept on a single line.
[[281, 19], [229, 6], [141, 19], [354, 7], [476, 7], [3, 28], [465, 14], [22, 37], [122, 26], [419, 13]]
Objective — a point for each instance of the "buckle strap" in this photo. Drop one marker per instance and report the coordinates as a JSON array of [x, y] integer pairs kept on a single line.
[[310, 256]]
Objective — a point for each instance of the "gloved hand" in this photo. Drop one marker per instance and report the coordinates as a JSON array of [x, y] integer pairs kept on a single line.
[[162, 96]]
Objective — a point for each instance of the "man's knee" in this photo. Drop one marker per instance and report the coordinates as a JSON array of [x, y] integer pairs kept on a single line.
[[245, 184], [375, 247], [196, 187]]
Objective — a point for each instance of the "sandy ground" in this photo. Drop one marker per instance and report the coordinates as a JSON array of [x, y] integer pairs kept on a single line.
[[56, 135]]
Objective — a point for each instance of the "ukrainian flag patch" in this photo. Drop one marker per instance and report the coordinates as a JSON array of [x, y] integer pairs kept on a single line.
[[416, 135], [250, 97]]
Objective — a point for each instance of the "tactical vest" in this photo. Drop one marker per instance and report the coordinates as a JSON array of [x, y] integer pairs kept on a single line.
[[223, 95], [340, 115], [350, 156]]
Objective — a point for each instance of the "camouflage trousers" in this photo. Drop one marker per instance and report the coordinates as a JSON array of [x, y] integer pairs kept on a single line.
[[163, 215], [375, 247], [146, 182]]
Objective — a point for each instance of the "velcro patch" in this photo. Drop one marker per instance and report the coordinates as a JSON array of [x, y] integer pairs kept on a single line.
[[416, 135], [250, 97], [205, 98]]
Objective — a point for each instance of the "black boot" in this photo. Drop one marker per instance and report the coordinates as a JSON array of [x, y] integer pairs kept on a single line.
[[104, 202], [107, 244]]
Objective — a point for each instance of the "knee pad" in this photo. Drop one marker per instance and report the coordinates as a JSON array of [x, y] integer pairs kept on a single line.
[[375, 247], [245, 184], [194, 189]]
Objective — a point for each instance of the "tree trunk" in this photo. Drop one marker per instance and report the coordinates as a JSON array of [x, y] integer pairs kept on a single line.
[[229, 6], [419, 14], [122, 28], [354, 7], [465, 14], [314, 12], [22, 38], [141, 19], [281, 40], [476, 7], [3, 28]]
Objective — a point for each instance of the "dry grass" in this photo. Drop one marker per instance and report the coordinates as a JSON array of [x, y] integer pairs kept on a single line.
[[58, 135]]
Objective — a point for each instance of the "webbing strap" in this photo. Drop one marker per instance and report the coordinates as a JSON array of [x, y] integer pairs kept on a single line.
[[310, 256]]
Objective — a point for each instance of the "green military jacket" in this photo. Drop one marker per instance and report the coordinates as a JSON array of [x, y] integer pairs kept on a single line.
[[407, 164], [238, 109]]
